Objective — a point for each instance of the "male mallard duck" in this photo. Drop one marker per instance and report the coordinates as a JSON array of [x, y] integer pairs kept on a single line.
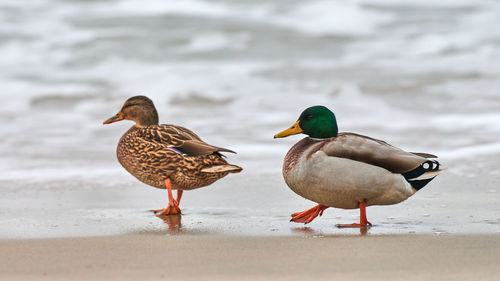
[[166, 156], [347, 170]]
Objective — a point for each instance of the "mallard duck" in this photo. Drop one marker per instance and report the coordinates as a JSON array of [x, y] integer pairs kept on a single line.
[[347, 170], [167, 156]]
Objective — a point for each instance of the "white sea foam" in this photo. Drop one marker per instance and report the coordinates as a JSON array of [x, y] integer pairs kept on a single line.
[[216, 41], [468, 152], [333, 18], [187, 7]]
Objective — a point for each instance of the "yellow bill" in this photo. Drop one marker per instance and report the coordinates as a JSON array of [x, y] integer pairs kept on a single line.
[[293, 130]]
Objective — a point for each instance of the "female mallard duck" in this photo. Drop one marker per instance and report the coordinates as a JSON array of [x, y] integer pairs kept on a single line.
[[166, 156], [349, 171]]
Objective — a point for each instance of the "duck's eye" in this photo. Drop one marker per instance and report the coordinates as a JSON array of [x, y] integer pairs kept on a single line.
[[309, 117]]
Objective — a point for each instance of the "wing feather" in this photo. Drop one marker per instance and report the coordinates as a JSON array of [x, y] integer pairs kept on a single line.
[[372, 151], [179, 138]]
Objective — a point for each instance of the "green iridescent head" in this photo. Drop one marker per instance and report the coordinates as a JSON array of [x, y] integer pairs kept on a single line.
[[316, 122]]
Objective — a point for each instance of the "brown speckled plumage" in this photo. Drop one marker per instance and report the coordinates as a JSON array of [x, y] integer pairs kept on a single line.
[[154, 153], [146, 154]]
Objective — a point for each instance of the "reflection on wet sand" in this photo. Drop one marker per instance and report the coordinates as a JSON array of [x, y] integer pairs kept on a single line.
[[307, 231], [174, 226], [364, 230], [173, 222]]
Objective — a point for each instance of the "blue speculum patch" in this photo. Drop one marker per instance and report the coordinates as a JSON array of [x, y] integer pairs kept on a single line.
[[176, 150]]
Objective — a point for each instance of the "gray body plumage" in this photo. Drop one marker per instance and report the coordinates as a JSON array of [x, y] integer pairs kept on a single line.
[[348, 169]]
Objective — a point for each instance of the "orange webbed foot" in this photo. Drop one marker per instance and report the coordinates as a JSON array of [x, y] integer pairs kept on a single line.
[[309, 215], [171, 209]]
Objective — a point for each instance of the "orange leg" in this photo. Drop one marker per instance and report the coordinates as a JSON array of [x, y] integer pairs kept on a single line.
[[308, 216], [173, 205], [363, 221], [179, 196]]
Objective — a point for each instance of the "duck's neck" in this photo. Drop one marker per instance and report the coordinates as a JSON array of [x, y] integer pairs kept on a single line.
[[147, 118]]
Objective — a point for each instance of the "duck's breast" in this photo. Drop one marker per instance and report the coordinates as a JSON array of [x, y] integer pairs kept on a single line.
[[144, 160]]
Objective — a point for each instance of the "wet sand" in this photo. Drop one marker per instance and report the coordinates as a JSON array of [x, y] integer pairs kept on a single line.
[[207, 257], [254, 204]]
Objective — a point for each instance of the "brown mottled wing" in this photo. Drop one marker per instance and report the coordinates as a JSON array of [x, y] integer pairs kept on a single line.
[[373, 152], [180, 131], [179, 138]]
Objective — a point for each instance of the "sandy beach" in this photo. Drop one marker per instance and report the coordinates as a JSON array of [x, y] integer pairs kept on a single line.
[[200, 257]]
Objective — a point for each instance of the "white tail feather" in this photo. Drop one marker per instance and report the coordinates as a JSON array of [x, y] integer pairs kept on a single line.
[[222, 169], [428, 175]]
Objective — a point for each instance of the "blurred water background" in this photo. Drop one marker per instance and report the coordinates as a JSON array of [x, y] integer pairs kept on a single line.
[[422, 75]]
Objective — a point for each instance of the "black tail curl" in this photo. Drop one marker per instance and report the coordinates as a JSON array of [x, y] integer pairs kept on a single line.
[[427, 166]]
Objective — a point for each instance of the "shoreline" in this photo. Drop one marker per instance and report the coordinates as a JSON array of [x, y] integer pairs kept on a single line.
[[226, 257]]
